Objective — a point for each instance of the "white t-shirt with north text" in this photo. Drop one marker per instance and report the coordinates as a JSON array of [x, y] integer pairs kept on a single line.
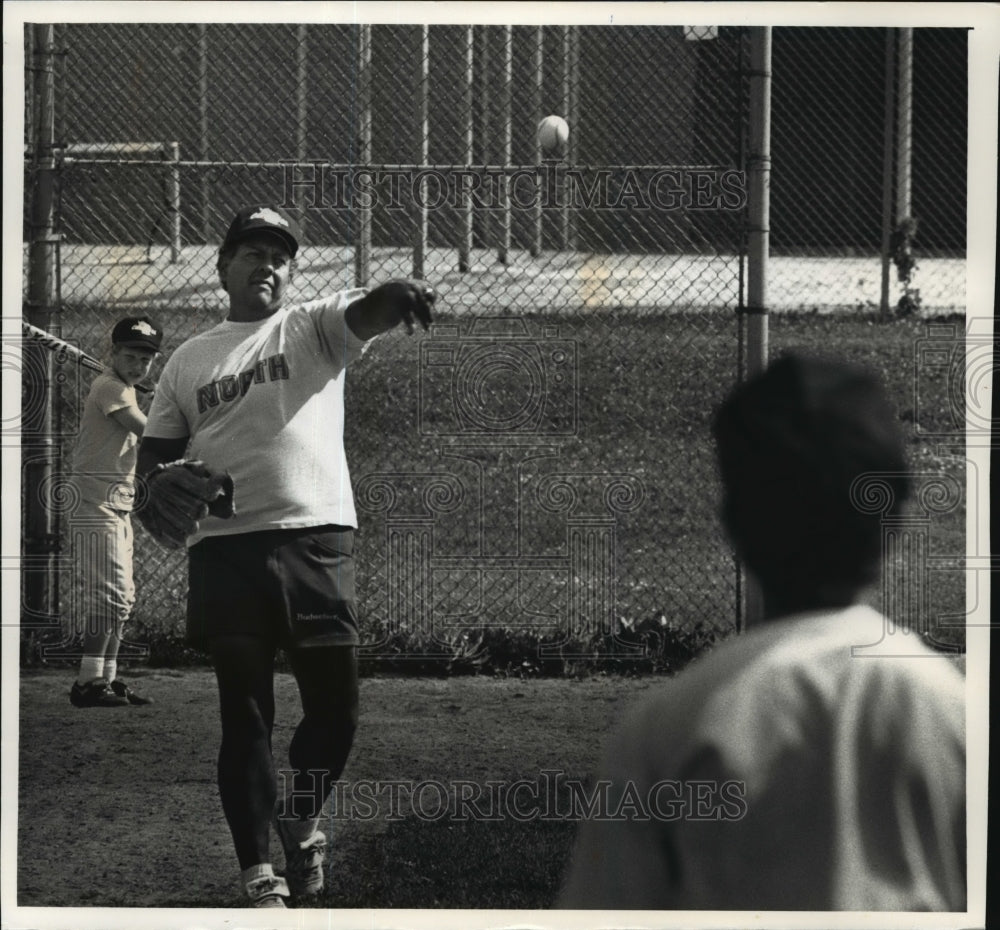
[[264, 401]]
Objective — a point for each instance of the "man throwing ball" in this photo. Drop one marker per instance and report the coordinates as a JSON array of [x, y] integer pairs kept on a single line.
[[244, 462]]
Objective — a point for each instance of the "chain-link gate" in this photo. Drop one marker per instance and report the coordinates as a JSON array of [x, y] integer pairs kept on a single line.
[[869, 147], [540, 460]]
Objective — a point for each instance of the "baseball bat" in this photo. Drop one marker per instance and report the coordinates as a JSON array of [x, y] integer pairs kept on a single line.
[[55, 344]]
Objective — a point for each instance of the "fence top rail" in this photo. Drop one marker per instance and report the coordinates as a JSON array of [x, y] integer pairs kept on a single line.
[[117, 148], [347, 168]]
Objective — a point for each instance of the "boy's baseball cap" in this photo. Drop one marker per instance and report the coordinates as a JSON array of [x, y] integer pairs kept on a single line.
[[138, 332], [812, 457], [821, 415], [263, 218]]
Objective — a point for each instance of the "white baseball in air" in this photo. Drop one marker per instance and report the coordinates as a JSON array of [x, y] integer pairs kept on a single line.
[[553, 134]]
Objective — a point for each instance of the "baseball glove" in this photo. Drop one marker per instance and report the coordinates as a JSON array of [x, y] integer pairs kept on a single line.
[[180, 494], [406, 299]]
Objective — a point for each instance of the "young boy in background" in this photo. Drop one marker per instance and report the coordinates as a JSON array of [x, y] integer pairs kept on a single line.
[[104, 468]]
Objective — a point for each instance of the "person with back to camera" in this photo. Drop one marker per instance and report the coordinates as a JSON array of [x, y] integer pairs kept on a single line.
[[810, 764], [244, 462]]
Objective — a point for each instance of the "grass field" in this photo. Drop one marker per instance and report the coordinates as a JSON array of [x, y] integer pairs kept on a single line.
[[643, 392], [636, 410], [137, 809], [129, 796], [648, 386]]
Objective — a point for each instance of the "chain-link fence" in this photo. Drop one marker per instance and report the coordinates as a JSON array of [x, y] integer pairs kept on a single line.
[[540, 459], [509, 466], [869, 144]]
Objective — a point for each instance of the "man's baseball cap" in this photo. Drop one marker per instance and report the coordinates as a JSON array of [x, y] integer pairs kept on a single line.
[[263, 219], [138, 332]]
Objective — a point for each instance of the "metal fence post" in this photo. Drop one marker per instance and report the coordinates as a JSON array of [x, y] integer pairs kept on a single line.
[[573, 118], [38, 449], [485, 123], [506, 135], [759, 171], [206, 186], [172, 151], [566, 46], [420, 225], [363, 233], [904, 123], [759, 165], [302, 108], [537, 88], [465, 233], [887, 140]]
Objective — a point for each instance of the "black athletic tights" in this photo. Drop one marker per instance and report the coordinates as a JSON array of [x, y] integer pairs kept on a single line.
[[327, 677]]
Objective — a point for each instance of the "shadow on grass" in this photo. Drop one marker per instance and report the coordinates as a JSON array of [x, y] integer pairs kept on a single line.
[[443, 864]]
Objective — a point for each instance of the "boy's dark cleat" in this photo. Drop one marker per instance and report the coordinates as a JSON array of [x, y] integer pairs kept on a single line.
[[122, 690], [96, 694]]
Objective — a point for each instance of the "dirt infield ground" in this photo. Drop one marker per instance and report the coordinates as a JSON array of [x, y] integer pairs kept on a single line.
[[128, 796]]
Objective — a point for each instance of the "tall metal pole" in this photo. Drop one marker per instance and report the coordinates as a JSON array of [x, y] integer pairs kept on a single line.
[[566, 48], [759, 171], [172, 152], [758, 240], [887, 141], [420, 225], [29, 84], [206, 189], [506, 134], [536, 242], [363, 241], [486, 122], [302, 108], [37, 444], [573, 117], [904, 125], [465, 242]]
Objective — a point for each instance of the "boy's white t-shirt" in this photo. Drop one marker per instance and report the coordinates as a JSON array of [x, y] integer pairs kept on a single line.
[[105, 454], [265, 401], [816, 763]]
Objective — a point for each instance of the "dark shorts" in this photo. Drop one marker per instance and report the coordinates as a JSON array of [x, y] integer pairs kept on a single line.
[[294, 587]]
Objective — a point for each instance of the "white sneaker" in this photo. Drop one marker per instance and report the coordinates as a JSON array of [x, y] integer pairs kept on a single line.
[[267, 891], [303, 862]]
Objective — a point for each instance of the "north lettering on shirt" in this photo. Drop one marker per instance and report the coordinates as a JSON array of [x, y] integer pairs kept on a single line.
[[230, 387]]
